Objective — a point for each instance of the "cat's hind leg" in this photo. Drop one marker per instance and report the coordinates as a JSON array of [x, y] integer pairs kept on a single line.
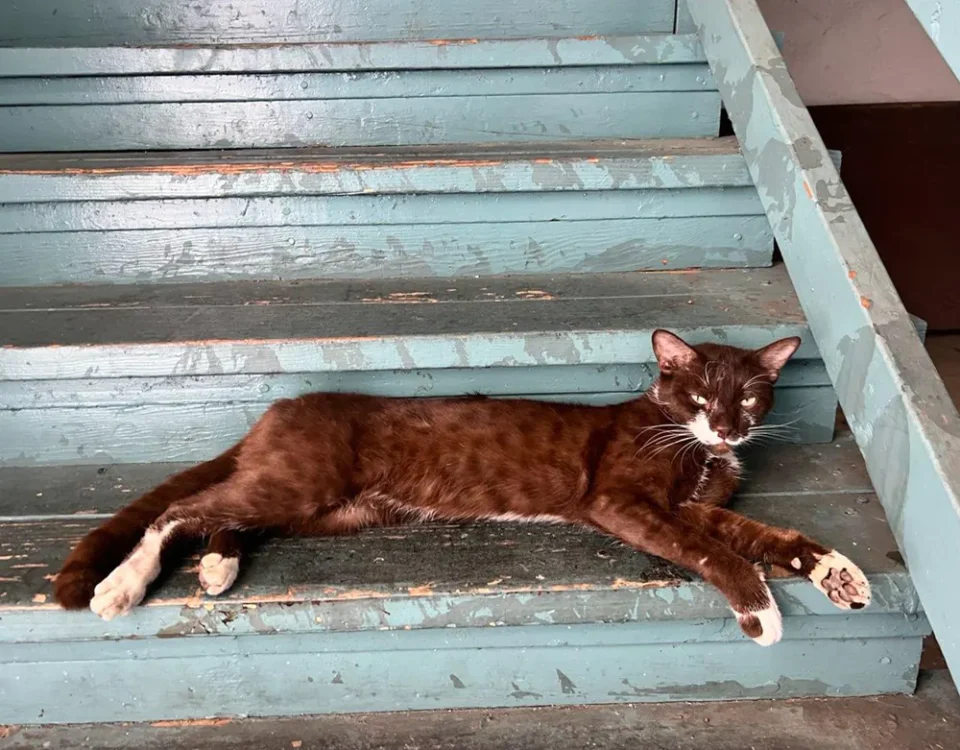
[[834, 574], [220, 563]]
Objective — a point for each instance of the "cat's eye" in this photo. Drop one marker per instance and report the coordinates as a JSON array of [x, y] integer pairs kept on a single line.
[[698, 399], [749, 401]]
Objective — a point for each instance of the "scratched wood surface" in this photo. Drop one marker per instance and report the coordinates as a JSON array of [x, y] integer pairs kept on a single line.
[[53, 23], [311, 56], [358, 122], [450, 168]]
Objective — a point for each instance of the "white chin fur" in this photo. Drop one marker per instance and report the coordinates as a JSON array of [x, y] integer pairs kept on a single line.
[[700, 427]]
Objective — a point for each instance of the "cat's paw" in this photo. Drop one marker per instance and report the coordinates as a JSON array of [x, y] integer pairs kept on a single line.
[[764, 625], [842, 582], [119, 592], [218, 573]]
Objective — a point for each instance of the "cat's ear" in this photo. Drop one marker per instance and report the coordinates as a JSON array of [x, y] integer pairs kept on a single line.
[[673, 353], [774, 356]]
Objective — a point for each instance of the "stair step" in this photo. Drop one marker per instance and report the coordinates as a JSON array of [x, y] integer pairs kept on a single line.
[[448, 616], [623, 87], [370, 213], [84, 23], [180, 371]]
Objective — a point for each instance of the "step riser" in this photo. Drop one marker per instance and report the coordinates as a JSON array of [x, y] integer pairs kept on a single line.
[[271, 675], [388, 250], [121, 22], [357, 122], [133, 433]]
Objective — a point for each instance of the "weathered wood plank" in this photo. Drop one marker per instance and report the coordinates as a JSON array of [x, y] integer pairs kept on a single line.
[[941, 21], [53, 23], [237, 249], [97, 490], [660, 164], [901, 415], [434, 564], [413, 84], [272, 327], [136, 431], [638, 49], [469, 668], [358, 122]]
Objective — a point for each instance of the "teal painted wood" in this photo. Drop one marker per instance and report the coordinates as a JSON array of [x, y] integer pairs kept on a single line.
[[358, 122], [683, 24], [243, 250], [412, 84], [451, 670], [900, 413], [55, 23], [469, 168], [941, 21], [195, 329], [307, 56], [141, 430]]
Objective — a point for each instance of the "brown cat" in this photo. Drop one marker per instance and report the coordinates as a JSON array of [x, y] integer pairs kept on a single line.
[[654, 472]]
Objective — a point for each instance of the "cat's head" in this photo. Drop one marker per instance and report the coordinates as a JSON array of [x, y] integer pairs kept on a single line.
[[720, 393]]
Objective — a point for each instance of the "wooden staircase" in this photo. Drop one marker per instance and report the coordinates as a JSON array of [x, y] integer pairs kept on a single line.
[[204, 210]]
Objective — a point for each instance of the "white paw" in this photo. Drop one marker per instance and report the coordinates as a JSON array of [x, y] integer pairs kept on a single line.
[[842, 582], [217, 573], [769, 619], [119, 592]]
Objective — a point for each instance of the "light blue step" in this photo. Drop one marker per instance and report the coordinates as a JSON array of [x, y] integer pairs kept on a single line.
[[417, 92], [374, 213], [178, 372], [443, 616], [87, 23]]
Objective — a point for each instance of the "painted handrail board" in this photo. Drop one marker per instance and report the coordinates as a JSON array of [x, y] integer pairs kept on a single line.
[[53, 23], [269, 327], [408, 84], [379, 250], [95, 491], [617, 49], [900, 413], [453, 168], [360, 122], [941, 21]]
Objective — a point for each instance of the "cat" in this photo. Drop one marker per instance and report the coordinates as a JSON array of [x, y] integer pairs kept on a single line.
[[654, 472]]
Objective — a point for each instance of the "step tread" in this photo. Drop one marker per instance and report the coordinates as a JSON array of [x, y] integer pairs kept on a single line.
[[256, 312], [490, 561], [379, 157]]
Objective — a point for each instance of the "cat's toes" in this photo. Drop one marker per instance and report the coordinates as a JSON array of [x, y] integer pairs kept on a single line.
[[764, 626], [118, 593], [217, 573], [842, 582]]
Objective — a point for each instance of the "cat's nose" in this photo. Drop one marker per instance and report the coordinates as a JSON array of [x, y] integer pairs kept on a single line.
[[722, 432]]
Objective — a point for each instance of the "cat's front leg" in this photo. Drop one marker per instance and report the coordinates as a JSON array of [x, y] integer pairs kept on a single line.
[[834, 575], [721, 482], [648, 527]]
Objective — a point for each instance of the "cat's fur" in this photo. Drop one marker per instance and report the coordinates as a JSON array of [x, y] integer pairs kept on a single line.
[[654, 472]]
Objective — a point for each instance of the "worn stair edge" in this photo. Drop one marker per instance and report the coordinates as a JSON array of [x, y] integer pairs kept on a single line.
[[358, 122], [97, 490], [453, 54], [271, 327], [657, 164], [48, 23], [370, 85]]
